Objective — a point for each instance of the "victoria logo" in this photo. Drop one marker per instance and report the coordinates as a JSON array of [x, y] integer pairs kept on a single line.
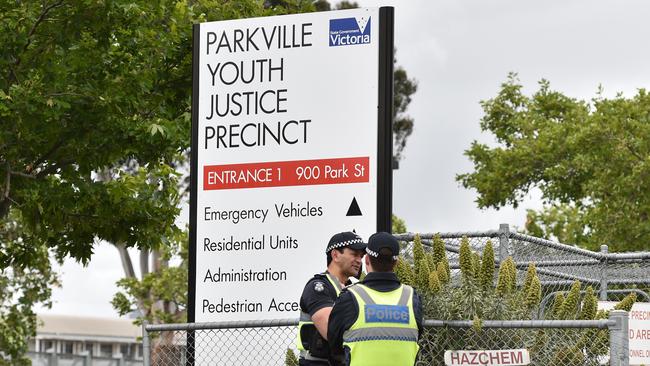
[[349, 31]]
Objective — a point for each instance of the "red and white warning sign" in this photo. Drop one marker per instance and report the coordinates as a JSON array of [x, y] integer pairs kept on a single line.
[[500, 357], [639, 330]]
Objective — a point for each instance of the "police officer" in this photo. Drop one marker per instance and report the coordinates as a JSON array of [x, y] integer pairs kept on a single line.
[[377, 322], [344, 254]]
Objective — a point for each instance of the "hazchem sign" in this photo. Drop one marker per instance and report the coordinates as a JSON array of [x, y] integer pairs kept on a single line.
[[487, 357], [291, 144]]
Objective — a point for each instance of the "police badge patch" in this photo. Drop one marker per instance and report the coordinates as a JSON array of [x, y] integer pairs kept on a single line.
[[318, 287]]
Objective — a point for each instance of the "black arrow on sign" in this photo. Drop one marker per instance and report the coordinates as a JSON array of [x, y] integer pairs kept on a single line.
[[354, 209]]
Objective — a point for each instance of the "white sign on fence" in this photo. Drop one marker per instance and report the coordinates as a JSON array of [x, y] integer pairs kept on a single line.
[[286, 153], [487, 357], [639, 330]]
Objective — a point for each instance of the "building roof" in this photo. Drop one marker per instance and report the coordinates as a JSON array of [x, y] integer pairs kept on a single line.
[[87, 328]]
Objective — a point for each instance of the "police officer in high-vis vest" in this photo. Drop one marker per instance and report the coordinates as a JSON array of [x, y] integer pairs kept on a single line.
[[344, 253], [377, 322]]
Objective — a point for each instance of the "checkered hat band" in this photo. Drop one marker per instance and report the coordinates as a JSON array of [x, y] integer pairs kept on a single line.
[[344, 244], [376, 255]]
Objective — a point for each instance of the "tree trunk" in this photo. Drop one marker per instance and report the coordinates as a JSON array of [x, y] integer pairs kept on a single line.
[[144, 262], [127, 265], [5, 202]]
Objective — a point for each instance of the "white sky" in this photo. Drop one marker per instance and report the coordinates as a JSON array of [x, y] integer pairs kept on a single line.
[[459, 51]]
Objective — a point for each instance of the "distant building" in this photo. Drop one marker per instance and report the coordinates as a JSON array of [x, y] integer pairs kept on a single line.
[[74, 340]]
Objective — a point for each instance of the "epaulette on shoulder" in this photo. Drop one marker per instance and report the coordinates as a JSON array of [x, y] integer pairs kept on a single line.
[[321, 277]]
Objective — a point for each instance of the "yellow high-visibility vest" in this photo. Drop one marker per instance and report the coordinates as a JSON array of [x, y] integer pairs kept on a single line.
[[385, 332]]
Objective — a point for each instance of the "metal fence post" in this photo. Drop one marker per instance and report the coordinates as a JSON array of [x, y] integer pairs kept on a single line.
[[619, 348], [604, 250], [504, 234], [146, 348]]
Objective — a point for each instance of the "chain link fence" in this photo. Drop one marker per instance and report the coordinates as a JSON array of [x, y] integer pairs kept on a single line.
[[534, 342], [546, 342], [611, 275], [542, 343], [220, 344]]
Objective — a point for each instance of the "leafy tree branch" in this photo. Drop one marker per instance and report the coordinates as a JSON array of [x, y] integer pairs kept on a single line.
[[589, 159]]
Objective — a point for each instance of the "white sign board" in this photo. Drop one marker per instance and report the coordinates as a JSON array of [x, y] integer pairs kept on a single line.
[[286, 153], [487, 357], [639, 330]]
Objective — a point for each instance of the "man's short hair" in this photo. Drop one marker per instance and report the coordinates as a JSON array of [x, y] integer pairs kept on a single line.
[[383, 251], [329, 254], [385, 262]]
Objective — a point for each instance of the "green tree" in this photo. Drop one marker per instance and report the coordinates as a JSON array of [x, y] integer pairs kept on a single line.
[[94, 121], [398, 225], [95, 118], [589, 159], [404, 88], [23, 283], [159, 295], [562, 222]]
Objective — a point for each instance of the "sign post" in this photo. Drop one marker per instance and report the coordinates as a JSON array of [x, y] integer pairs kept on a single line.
[[291, 143]]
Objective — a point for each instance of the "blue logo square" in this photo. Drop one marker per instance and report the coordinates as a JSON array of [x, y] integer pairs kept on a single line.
[[349, 31]]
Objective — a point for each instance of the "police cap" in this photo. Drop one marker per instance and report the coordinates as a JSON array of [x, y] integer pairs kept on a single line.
[[381, 240], [346, 239]]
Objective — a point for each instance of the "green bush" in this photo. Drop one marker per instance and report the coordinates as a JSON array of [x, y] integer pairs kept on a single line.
[[474, 294]]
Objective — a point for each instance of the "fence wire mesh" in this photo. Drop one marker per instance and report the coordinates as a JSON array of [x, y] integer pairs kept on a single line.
[[568, 343], [611, 275], [558, 266], [261, 345], [512, 346]]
